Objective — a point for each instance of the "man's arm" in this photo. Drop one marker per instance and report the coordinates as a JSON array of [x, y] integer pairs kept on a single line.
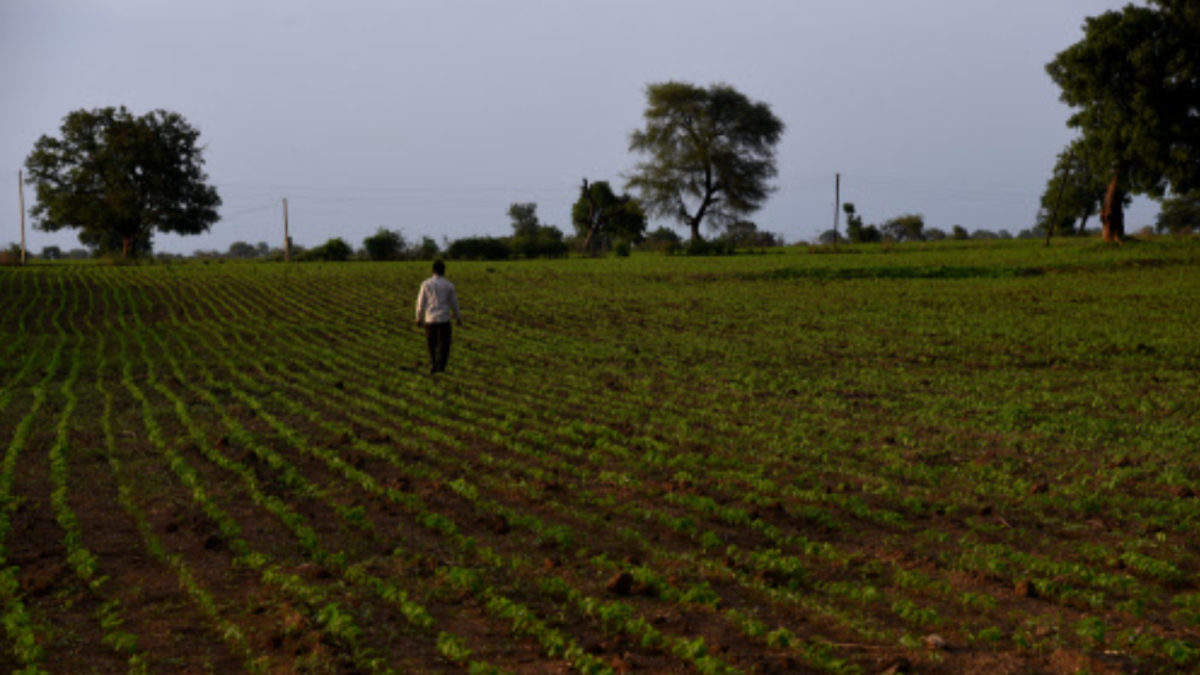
[[422, 303]]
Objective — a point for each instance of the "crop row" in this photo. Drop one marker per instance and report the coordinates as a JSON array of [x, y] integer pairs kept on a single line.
[[741, 497]]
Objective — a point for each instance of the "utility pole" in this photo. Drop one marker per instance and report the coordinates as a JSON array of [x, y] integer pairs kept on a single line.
[[21, 200], [837, 204], [287, 238]]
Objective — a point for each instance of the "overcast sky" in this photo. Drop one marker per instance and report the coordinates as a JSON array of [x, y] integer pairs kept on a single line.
[[432, 117]]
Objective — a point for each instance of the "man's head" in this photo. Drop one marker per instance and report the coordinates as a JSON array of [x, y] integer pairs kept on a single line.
[[439, 267]]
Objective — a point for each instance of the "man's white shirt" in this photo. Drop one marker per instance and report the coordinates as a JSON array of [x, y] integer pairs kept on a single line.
[[437, 302]]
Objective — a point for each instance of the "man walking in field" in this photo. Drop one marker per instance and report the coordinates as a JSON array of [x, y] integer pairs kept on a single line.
[[437, 303]]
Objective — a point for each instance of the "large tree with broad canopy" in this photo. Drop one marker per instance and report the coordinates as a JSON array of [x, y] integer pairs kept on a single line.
[[118, 178], [1134, 80], [711, 152]]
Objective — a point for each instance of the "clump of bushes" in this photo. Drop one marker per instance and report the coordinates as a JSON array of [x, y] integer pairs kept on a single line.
[[479, 248], [334, 250], [391, 245], [663, 240], [545, 241], [12, 255]]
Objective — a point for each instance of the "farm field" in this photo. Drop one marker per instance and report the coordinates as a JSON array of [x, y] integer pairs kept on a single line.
[[953, 457]]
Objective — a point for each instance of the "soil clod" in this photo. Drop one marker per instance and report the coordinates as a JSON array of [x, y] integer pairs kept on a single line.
[[621, 584]]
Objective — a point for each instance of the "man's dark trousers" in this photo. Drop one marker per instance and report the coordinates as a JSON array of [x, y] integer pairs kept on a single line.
[[437, 336]]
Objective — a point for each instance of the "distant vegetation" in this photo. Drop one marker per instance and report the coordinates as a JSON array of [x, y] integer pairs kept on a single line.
[[1134, 82], [707, 158]]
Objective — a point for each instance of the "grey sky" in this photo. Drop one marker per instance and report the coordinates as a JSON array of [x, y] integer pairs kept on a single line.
[[432, 117]]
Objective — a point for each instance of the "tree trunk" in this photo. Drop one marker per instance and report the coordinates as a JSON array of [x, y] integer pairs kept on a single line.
[[1083, 222], [1112, 215], [588, 241], [695, 225], [593, 221], [125, 246]]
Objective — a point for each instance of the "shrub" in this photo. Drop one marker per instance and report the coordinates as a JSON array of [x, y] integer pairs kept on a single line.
[[745, 234], [479, 248], [241, 249], [718, 246], [426, 250], [663, 240], [862, 234], [830, 237], [540, 241], [907, 227], [333, 250], [384, 245]]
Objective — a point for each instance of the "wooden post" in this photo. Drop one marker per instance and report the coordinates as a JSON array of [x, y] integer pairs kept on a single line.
[[837, 204], [21, 200], [287, 238]]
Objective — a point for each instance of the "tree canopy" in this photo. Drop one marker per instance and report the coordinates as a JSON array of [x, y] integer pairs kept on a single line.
[[1180, 214], [385, 245], [906, 227], [1134, 80], [118, 178], [1074, 191], [524, 218], [711, 152], [601, 216]]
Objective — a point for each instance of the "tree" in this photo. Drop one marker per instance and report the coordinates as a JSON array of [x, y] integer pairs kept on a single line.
[[959, 232], [907, 227], [530, 238], [241, 249], [426, 250], [384, 245], [711, 152], [119, 178], [601, 217], [1074, 191], [1134, 79], [829, 237], [745, 234], [11, 255], [856, 232], [852, 217], [52, 253], [335, 249], [1180, 214], [524, 218]]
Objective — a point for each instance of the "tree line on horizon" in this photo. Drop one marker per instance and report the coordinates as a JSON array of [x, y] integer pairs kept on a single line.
[[120, 178], [707, 158]]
